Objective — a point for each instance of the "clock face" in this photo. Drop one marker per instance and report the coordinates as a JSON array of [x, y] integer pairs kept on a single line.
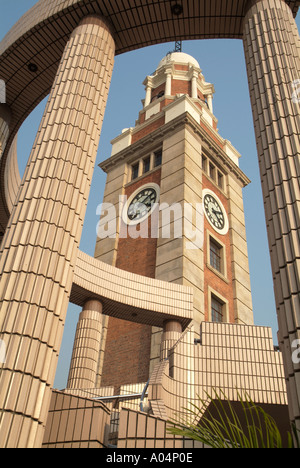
[[141, 204], [215, 212]]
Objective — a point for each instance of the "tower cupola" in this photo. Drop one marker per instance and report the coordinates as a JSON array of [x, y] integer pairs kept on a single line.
[[177, 74]]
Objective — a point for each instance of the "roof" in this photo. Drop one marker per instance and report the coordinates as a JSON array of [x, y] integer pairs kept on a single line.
[[179, 57]]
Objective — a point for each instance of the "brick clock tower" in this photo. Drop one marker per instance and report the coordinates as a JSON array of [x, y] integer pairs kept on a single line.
[[176, 187]]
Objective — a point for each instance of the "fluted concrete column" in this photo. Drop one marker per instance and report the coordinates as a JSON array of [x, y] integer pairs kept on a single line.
[[272, 50], [40, 246], [86, 350], [172, 331]]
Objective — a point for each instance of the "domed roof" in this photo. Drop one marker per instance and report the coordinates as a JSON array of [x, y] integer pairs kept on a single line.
[[178, 57]]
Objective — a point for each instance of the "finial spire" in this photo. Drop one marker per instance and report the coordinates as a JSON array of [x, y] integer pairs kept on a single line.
[[178, 46]]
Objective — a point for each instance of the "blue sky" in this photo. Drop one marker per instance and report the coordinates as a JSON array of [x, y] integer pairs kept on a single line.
[[223, 64]]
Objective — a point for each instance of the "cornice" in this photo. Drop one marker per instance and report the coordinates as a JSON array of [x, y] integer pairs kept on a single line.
[[183, 121]]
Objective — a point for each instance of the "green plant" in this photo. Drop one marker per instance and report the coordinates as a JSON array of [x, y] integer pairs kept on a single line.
[[224, 424]]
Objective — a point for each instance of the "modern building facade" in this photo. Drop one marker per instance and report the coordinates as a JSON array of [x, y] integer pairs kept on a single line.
[[173, 293]]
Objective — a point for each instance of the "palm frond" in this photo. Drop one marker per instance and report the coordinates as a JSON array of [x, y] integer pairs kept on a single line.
[[219, 425]]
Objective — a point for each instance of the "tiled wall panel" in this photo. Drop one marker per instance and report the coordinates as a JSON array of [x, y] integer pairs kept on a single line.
[[140, 431], [232, 359], [75, 422]]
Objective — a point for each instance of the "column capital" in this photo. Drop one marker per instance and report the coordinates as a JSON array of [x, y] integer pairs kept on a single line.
[[169, 70], [172, 326], [148, 81], [97, 21], [271, 4], [93, 304], [172, 331]]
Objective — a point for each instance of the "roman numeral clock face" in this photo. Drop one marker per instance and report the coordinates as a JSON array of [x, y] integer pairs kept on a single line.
[[141, 204], [215, 212]]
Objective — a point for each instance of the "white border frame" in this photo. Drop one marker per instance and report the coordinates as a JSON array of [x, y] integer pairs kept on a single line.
[[125, 218], [225, 229]]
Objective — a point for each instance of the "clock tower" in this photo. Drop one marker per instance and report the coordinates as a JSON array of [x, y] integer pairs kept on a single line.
[[173, 210]]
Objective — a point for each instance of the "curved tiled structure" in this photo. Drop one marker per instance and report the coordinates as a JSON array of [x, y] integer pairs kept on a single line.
[[230, 361], [128, 296], [234, 359], [67, 48]]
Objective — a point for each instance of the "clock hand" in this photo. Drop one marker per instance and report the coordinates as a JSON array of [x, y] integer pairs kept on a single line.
[[144, 201], [132, 213], [212, 212], [217, 212], [137, 208]]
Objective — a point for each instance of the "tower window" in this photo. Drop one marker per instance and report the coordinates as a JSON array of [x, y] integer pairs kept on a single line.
[[134, 171], [204, 164], [217, 308], [215, 251], [216, 256], [220, 180], [212, 171], [146, 165], [158, 96], [158, 158]]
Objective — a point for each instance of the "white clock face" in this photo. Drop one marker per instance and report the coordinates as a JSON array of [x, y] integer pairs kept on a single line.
[[141, 204], [215, 212]]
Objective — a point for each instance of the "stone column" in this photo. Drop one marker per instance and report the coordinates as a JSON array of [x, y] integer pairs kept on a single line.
[[171, 333], [40, 245], [168, 88], [148, 92], [272, 50], [210, 103], [194, 85], [86, 350]]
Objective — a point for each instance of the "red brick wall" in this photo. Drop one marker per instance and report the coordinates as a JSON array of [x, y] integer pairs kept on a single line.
[[207, 130], [181, 87], [211, 279], [127, 352], [182, 67], [147, 130], [157, 90], [139, 255], [178, 87]]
